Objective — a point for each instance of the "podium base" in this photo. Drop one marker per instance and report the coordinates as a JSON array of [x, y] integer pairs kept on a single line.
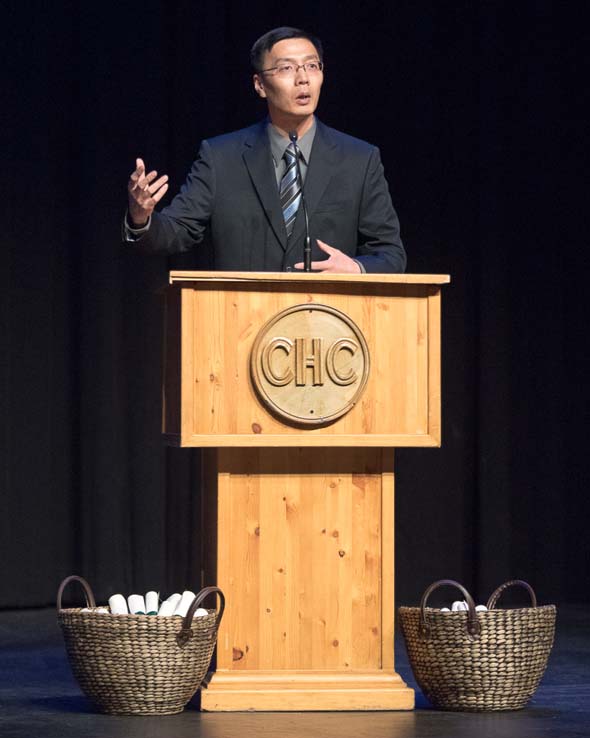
[[298, 691]]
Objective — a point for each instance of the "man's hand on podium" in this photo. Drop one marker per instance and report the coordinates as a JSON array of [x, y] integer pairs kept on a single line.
[[144, 193], [338, 262]]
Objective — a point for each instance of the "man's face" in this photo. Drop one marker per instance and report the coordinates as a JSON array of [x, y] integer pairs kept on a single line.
[[295, 95]]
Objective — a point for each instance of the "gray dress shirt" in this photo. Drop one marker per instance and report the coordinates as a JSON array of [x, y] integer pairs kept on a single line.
[[278, 145]]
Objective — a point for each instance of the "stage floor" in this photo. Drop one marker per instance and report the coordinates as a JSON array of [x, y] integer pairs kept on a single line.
[[40, 699]]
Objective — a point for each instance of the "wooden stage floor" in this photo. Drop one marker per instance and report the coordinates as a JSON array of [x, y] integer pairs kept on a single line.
[[40, 699]]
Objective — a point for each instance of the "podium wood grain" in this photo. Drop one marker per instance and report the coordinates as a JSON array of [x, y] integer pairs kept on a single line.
[[305, 557], [299, 522], [214, 403]]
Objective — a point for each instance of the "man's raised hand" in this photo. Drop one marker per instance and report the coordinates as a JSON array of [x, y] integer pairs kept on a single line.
[[144, 193]]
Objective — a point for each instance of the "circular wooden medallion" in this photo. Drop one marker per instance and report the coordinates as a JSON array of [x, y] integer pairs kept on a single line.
[[310, 364]]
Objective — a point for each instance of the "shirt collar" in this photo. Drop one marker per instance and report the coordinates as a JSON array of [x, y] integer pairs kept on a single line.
[[279, 143]]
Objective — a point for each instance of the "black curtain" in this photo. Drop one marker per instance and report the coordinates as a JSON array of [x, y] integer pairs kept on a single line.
[[475, 108]]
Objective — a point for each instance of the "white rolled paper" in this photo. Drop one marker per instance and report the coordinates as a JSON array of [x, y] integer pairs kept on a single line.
[[459, 606], [444, 609], [200, 613], [481, 608], [136, 604], [169, 606], [185, 603], [118, 605], [151, 603]]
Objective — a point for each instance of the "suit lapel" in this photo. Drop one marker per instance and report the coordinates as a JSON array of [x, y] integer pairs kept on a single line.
[[322, 161], [258, 160]]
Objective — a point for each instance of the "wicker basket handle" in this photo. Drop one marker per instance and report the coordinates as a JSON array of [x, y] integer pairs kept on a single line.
[[90, 601], [473, 626], [186, 633], [495, 596]]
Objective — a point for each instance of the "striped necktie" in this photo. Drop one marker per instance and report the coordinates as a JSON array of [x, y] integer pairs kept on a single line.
[[289, 191]]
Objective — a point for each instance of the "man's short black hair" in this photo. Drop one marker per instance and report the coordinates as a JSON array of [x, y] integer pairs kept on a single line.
[[266, 42]]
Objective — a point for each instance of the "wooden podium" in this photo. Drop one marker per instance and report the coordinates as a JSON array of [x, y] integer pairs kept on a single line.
[[298, 387]]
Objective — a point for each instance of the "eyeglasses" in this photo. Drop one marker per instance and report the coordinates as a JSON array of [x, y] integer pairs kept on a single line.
[[288, 69]]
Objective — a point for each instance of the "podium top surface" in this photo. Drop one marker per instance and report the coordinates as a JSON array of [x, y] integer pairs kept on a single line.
[[177, 277]]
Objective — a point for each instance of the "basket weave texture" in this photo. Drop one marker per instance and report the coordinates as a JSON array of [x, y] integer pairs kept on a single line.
[[478, 661], [139, 664]]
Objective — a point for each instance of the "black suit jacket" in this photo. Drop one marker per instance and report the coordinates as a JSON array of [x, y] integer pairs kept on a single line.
[[231, 191]]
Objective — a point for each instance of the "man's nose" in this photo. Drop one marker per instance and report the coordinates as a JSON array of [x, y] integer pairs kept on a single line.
[[301, 75]]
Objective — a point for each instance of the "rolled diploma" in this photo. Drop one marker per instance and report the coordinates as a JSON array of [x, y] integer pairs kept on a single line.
[[136, 604], [169, 606], [200, 613], [118, 605], [185, 603], [151, 603]]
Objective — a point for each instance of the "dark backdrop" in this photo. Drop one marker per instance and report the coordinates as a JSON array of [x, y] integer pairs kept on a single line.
[[475, 108]]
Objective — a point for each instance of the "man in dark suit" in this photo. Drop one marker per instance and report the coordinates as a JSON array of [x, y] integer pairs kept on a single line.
[[243, 186]]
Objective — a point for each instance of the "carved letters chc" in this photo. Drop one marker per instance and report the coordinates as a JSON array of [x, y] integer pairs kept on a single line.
[[309, 364]]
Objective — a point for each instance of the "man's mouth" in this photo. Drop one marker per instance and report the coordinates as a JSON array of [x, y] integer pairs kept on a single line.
[[303, 98]]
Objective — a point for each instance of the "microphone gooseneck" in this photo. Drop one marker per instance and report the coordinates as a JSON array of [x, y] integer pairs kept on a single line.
[[307, 246]]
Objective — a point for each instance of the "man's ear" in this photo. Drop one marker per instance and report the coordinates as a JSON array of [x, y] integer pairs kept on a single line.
[[259, 85]]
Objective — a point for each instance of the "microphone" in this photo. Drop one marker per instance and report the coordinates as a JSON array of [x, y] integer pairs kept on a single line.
[[307, 247]]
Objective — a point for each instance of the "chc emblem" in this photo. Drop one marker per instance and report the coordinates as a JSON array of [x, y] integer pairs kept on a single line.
[[310, 364]]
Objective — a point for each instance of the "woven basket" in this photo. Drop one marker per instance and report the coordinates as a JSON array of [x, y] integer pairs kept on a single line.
[[139, 664], [475, 661]]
